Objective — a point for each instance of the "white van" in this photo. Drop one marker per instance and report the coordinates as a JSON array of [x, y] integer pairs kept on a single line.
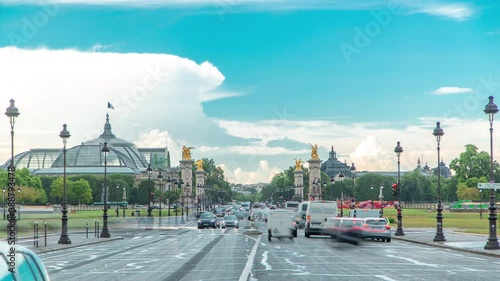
[[316, 216], [365, 213], [300, 217], [280, 224]]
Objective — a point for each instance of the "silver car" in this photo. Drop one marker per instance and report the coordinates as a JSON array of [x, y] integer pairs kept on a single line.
[[376, 228]]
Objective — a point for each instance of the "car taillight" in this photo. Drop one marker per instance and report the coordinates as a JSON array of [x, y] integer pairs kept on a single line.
[[365, 225], [387, 227]]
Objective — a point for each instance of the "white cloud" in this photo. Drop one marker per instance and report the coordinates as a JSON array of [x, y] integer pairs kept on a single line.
[[451, 91], [493, 32], [456, 11], [263, 173]]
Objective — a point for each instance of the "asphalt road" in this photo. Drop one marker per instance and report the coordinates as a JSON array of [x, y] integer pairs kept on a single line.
[[231, 254]]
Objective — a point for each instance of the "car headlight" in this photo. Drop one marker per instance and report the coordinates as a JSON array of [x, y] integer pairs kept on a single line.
[[199, 221], [212, 221]]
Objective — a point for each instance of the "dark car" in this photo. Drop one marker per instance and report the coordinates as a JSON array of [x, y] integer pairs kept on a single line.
[[230, 221], [239, 214], [207, 220]]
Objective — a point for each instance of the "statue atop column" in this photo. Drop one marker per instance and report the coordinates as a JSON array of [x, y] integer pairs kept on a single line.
[[186, 152], [199, 165], [298, 164], [314, 151]]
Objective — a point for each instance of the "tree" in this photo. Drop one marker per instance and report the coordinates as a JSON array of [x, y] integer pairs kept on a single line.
[[417, 187], [56, 190], [79, 192], [466, 193], [472, 164]]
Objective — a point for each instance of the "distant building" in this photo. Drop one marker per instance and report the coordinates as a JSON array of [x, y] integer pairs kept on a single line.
[[332, 166], [124, 158]]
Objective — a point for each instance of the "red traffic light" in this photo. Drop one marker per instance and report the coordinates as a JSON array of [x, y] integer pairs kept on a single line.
[[394, 185]]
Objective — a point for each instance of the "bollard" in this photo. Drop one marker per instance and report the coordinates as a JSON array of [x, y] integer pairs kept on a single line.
[[37, 237], [34, 233], [95, 228], [45, 234], [87, 230]]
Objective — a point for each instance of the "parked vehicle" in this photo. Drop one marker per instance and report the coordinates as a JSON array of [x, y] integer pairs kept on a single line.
[[280, 224], [316, 216]]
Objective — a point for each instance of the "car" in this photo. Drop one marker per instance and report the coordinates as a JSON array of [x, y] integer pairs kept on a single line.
[[139, 207], [238, 214], [376, 228], [220, 212], [207, 220], [28, 266], [230, 221]]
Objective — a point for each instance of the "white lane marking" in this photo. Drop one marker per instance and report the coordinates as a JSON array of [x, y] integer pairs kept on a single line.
[[413, 261], [264, 261], [383, 277], [180, 256], [248, 266], [254, 239]]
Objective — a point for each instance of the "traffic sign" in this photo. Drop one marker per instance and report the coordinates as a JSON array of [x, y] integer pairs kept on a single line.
[[488, 185]]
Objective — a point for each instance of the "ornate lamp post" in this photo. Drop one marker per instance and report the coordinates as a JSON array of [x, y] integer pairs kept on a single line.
[[64, 239], [371, 187], [381, 198], [105, 231], [169, 182], [492, 243], [12, 112], [149, 170], [353, 173], [187, 199], [438, 133], [160, 178], [124, 198], [399, 232], [341, 176], [332, 181]]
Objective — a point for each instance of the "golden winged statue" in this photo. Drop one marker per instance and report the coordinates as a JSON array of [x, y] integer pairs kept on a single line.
[[186, 152], [298, 164], [314, 151], [199, 164]]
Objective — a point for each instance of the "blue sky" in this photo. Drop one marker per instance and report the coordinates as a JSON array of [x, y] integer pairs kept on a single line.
[[358, 75]]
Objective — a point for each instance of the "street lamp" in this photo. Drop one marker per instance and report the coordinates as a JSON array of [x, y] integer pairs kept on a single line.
[[64, 239], [492, 243], [399, 232], [341, 176], [105, 231], [169, 182], [353, 173], [332, 181], [12, 112], [149, 170], [3, 203], [438, 133], [124, 199], [186, 199], [371, 187], [160, 178], [381, 198]]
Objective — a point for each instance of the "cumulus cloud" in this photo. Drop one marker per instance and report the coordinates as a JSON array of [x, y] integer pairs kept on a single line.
[[455, 11], [451, 90], [263, 173]]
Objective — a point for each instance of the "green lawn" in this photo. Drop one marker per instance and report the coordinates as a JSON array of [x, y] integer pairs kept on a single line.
[[466, 222]]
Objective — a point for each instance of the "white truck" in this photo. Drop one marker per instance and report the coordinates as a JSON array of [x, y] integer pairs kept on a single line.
[[281, 224], [365, 213]]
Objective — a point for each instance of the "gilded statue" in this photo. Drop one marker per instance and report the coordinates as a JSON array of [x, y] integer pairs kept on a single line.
[[314, 151], [199, 164], [298, 164], [186, 152]]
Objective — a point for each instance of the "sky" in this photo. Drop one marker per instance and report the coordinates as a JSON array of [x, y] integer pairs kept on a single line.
[[252, 83]]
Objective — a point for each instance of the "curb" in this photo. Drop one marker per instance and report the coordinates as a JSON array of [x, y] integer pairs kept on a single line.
[[48, 250], [495, 255]]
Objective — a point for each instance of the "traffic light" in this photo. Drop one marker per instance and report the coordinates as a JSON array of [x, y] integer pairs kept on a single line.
[[395, 189]]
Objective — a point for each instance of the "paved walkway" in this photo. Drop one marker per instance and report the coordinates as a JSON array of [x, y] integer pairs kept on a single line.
[[79, 238], [455, 240]]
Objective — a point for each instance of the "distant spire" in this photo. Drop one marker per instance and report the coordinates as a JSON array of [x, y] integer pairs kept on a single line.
[[107, 129]]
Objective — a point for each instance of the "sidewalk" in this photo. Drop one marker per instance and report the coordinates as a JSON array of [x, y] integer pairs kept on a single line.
[[80, 237], [455, 240]]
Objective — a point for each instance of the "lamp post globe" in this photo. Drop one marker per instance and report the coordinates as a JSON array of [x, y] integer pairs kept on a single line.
[[399, 232], [341, 176], [64, 239], [438, 133], [150, 171], [492, 243], [105, 232]]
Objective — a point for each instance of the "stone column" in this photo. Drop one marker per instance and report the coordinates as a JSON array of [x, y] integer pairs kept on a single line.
[[299, 184], [315, 177], [200, 188], [187, 177]]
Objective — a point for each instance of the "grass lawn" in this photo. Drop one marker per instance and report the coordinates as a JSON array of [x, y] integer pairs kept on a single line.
[[76, 220]]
